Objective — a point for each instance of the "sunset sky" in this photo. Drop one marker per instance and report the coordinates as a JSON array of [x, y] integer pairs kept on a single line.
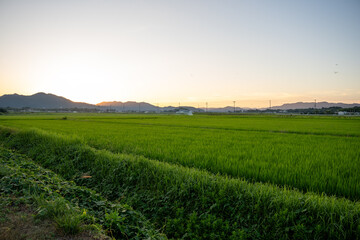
[[190, 52]]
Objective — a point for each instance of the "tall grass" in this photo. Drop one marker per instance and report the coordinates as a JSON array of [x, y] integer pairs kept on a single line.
[[190, 203]]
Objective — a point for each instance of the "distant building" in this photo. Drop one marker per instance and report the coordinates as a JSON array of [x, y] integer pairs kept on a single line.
[[184, 112]]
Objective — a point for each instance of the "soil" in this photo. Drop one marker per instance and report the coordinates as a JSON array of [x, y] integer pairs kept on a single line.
[[18, 222]]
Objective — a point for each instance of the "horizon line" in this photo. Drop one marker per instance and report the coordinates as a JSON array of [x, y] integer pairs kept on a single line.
[[202, 104]]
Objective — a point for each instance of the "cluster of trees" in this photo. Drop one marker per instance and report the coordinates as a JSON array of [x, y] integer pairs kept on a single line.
[[330, 110]]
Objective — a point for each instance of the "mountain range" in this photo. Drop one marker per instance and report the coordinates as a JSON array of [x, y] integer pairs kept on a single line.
[[50, 101]]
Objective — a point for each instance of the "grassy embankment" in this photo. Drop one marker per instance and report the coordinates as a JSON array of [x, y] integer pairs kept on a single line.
[[190, 203], [37, 203]]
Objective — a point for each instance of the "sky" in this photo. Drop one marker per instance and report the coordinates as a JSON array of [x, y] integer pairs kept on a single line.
[[188, 52]]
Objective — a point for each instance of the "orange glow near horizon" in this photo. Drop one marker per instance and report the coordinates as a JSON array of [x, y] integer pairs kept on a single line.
[[243, 51]]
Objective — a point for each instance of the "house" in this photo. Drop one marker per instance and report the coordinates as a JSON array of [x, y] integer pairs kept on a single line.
[[184, 112]]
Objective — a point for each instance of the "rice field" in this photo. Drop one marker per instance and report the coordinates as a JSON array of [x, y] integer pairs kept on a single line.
[[209, 176], [319, 154]]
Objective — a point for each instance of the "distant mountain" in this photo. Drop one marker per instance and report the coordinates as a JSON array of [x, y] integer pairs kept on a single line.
[[181, 108], [40, 100], [305, 105], [143, 106], [224, 109], [128, 106], [51, 101], [113, 103]]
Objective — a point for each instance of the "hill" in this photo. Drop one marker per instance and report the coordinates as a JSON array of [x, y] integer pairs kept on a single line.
[[306, 105], [129, 106], [40, 100]]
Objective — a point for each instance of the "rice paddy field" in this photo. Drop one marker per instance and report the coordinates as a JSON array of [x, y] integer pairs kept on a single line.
[[209, 176]]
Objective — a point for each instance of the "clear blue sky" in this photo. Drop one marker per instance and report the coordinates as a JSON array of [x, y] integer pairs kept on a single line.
[[182, 51]]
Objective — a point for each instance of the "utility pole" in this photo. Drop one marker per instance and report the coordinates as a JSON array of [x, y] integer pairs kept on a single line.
[[270, 104], [206, 107], [234, 105], [139, 107], [315, 104]]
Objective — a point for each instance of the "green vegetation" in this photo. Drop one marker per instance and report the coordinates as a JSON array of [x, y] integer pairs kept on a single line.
[[318, 154], [17, 221], [3, 111], [74, 209], [186, 202]]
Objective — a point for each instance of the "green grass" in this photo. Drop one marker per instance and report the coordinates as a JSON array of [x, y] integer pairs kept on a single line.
[[189, 203], [319, 154], [73, 208]]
